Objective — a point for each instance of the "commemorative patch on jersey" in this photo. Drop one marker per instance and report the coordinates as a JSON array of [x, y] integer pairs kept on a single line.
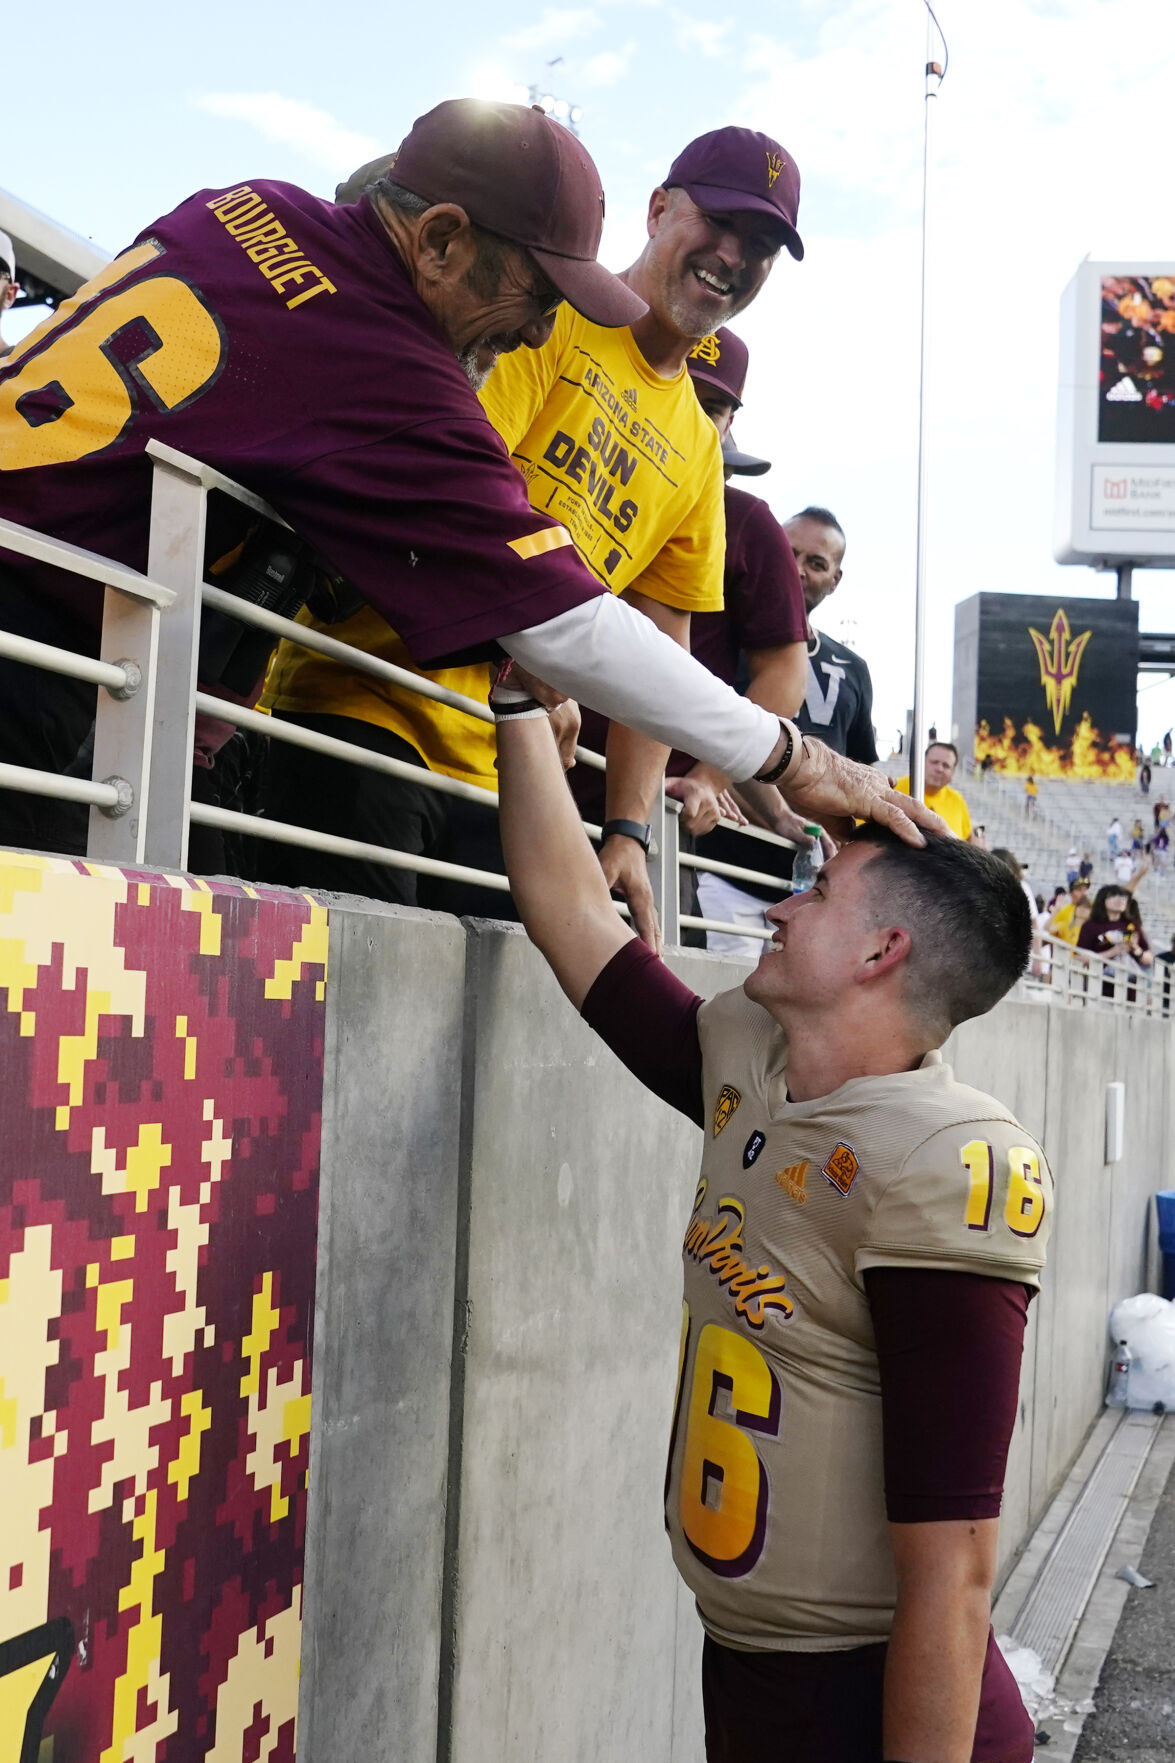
[[753, 1146], [841, 1168], [728, 1100]]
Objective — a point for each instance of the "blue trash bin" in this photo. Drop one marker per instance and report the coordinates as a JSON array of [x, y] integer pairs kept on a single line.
[[1165, 1211]]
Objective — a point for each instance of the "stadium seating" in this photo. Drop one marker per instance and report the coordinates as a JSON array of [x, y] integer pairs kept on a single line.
[[1074, 812]]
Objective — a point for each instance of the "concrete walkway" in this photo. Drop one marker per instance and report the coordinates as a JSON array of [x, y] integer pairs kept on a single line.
[[1134, 1721]]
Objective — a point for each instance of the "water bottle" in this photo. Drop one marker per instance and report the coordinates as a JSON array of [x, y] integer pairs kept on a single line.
[[1119, 1390], [807, 863]]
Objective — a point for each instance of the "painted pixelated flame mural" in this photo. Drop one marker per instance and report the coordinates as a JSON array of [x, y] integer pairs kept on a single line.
[[161, 1057]]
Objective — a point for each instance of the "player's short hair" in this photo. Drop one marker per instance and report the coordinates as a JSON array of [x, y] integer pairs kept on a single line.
[[967, 915], [822, 517], [949, 745]]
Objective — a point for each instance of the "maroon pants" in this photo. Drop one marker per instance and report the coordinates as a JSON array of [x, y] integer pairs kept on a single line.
[[826, 1707]]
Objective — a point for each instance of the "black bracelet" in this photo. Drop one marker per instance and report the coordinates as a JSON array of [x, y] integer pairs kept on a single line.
[[629, 829], [769, 777]]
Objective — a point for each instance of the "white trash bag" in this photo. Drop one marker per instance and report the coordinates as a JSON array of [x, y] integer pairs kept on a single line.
[[1147, 1325]]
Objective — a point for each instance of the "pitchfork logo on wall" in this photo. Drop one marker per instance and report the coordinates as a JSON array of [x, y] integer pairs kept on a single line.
[[1059, 655]]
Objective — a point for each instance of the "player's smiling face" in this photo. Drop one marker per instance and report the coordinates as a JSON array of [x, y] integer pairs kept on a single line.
[[822, 942], [703, 268]]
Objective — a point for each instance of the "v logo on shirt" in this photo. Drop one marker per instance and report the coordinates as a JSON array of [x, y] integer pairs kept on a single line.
[[819, 704]]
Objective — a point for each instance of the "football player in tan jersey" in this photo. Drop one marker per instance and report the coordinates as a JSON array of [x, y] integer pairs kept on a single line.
[[865, 1237]]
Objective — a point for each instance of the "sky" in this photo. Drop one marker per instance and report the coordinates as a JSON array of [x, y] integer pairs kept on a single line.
[[1041, 155]]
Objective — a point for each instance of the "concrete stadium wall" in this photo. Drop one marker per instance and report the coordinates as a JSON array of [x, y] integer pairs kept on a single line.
[[555, 1627]]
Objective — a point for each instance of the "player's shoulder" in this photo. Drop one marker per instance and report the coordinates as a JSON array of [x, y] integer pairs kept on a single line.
[[970, 1189], [732, 1025]]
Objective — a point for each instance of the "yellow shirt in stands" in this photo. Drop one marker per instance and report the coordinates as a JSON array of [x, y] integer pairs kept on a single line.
[[630, 464], [1064, 925], [945, 802]]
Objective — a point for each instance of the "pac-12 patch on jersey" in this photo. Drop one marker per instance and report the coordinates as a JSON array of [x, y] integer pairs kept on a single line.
[[728, 1100], [841, 1168]]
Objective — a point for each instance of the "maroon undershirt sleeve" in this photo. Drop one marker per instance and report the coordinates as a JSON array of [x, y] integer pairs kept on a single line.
[[949, 1347], [650, 1021]]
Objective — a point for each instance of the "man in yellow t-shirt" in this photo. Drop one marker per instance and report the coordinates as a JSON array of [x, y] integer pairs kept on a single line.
[[941, 759], [1064, 922], [606, 429]]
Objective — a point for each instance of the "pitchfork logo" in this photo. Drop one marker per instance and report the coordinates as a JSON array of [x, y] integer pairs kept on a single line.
[[775, 164], [1059, 655]]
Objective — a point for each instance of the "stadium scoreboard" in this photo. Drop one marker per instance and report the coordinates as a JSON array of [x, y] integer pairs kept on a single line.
[[1115, 482]]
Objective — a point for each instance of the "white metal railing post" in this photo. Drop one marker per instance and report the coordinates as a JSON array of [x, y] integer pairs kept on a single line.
[[667, 882], [176, 558], [123, 727]]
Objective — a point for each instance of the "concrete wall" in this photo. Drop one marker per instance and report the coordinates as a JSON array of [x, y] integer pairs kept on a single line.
[[487, 1573]]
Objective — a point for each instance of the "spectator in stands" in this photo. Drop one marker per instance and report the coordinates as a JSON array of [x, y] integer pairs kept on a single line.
[[941, 759], [1161, 847], [1113, 837], [571, 412], [838, 697], [1085, 867], [1114, 931], [1144, 777], [1138, 838], [1071, 866], [1030, 796], [9, 286], [1123, 867], [1063, 921], [319, 336]]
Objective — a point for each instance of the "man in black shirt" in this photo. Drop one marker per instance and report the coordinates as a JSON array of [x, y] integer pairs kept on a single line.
[[838, 702]]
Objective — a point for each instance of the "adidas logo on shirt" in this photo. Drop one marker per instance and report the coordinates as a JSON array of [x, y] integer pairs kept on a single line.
[[629, 396], [1125, 392]]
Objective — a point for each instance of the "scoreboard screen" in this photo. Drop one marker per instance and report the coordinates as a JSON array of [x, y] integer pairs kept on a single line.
[[1136, 378]]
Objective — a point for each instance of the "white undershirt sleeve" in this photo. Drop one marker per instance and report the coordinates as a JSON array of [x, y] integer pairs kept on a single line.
[[615, 660]]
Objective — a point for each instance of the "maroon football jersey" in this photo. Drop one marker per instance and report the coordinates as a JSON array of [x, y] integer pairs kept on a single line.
[[277, 337]]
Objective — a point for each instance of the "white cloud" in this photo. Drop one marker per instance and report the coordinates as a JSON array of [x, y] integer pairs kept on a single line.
[[292, 123], [605, 69], [703, 36], [556, 25]]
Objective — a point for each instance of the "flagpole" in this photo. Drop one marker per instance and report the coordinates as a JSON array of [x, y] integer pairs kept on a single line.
[[935, 73]]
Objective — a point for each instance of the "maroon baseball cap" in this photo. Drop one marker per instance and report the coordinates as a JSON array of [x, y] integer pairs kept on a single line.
[[732, 170], [720, 360], [519, 174]]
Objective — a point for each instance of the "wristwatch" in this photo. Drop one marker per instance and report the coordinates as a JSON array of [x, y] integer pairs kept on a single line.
[[629, 829]]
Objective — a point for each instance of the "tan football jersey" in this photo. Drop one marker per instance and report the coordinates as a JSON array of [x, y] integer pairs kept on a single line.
[[775, 1501]]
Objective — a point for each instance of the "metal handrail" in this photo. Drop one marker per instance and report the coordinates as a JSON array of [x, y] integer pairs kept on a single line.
[[1077, 978]]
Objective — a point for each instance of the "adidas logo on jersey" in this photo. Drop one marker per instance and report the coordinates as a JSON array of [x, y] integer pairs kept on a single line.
[[791, 1180], [1125, 392], [629, 396]]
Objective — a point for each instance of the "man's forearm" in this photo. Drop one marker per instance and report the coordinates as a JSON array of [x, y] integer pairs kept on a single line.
[[933, 1673], [636, 766], [616, 661], [557, 885]]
